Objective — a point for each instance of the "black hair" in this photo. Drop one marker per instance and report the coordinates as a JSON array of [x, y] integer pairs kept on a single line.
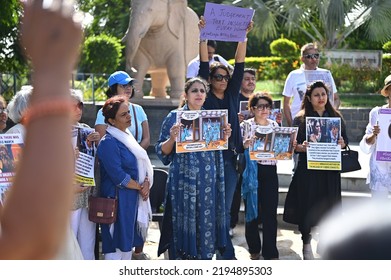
[[112, 90], [251, 71], [111, 107], [212, 43], [253, 101]]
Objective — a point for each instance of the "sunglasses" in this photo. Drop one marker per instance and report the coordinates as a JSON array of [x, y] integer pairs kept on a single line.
[[219, 77], [126, 85], [261, 107], [312, 55]]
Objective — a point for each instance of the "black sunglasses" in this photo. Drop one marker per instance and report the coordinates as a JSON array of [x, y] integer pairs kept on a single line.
[[312, 55], [219, 77], [261, 107]]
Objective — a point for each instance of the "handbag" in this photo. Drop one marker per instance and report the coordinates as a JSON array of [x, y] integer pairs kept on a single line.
[[102, 210], [349, 160]]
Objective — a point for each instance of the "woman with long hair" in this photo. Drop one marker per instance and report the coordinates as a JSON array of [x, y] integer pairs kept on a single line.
[[312, 193]]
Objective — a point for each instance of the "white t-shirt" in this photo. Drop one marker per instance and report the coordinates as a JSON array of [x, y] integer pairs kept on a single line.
[[296, 85], [194, 65]]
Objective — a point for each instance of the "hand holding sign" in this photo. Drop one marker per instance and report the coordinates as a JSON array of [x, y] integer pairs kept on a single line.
[[226, 23]]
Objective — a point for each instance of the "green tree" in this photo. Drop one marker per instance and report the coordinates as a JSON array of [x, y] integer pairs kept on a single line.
[[94, 47], [198, 6], [11, 56], [109, 16], [328, 22]]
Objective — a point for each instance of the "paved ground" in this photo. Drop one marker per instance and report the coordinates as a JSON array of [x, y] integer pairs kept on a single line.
[[288, 238], [288, 242]]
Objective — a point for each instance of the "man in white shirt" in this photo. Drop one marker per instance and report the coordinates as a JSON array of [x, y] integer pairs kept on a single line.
[[194, 64], [297, 81]]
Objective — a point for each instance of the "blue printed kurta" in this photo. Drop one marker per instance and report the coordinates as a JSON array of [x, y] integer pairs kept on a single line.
[[195, 192], [117, 166]]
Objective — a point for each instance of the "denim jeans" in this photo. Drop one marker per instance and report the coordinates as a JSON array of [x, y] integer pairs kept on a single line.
[[230, 178]]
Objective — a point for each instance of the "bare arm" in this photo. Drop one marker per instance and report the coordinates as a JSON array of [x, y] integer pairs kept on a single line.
[[35, 215], [287, 110], [168, 145], [146, 138], [337, 101]]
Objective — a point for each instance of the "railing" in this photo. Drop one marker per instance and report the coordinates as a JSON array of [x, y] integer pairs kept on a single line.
[[93, 85]]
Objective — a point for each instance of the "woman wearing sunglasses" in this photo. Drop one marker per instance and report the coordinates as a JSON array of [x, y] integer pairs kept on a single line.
[[260, 184], [224, 94]]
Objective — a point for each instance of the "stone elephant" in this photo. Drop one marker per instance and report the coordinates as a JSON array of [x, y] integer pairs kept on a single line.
[[161, 39]]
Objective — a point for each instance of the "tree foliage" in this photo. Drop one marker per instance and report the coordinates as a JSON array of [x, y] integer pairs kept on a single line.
[[109, 16], [328, 22], [284, 48], [101, 54], [11, 56]]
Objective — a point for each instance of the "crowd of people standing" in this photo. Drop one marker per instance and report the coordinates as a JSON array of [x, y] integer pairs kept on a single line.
[[200, 202]]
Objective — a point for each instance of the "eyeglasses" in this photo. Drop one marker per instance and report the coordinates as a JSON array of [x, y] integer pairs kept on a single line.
[[219, 77], [312, 55], [261, 107], [126, 85], [4, 111]]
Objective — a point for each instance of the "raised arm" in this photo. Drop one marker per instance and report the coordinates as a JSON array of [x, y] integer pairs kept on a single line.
[[35, 214], [240, 54]]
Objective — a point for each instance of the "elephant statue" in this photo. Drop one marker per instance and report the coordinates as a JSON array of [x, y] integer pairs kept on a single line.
[[161, 39]]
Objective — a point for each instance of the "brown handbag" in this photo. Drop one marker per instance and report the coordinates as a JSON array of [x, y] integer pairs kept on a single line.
[[102, 210]]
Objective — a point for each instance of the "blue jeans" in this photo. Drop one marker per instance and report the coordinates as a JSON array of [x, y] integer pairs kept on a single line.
[[230, 178]]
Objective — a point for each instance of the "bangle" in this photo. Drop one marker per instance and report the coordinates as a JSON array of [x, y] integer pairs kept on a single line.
[[46, 109], [203, 40]]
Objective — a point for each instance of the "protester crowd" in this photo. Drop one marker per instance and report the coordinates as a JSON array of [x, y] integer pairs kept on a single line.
[[204, 189]]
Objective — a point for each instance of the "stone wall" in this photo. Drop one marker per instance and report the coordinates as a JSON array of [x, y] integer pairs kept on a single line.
[[157, 110]]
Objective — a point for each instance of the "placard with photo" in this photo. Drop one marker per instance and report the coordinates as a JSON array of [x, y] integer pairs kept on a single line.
[[201, 130]]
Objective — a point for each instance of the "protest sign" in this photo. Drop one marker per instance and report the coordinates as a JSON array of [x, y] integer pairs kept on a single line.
[[383, 142], [226, 23], [324, 152], [201, 130]]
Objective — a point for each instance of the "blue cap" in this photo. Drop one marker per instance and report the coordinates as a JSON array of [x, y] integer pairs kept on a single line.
[[119, 77]]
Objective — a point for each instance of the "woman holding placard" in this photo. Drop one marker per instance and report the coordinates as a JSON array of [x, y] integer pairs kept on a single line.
[[380, 171], [312, 193], [260, 184], [195, 204]]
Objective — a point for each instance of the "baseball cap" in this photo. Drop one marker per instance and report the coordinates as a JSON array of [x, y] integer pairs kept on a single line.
[[387, 83], [120, 77]]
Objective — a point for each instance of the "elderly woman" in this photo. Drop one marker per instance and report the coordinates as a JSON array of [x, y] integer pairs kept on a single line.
[[126, 173], [195, 206], [82, 227], [17, 107], [379, 171]]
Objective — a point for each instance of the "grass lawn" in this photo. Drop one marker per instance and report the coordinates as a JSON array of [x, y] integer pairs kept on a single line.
[[357, 100]]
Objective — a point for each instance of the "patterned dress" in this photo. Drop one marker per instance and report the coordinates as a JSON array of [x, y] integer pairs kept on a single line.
[[195, 201]]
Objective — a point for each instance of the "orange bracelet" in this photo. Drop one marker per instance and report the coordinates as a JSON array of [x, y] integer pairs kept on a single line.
[[46, 109]]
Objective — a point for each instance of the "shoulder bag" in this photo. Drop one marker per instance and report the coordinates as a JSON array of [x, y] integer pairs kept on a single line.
[[103, 210], [349, 160]]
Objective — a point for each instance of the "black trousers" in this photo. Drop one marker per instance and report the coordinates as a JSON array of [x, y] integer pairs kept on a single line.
[[267, 211]]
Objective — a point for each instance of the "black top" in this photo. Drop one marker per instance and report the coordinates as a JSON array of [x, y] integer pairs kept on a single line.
[[230, 102]]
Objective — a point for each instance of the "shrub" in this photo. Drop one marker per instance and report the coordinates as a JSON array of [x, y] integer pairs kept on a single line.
[[284, 48], [101, 54], [387, 47], [271, 68]]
